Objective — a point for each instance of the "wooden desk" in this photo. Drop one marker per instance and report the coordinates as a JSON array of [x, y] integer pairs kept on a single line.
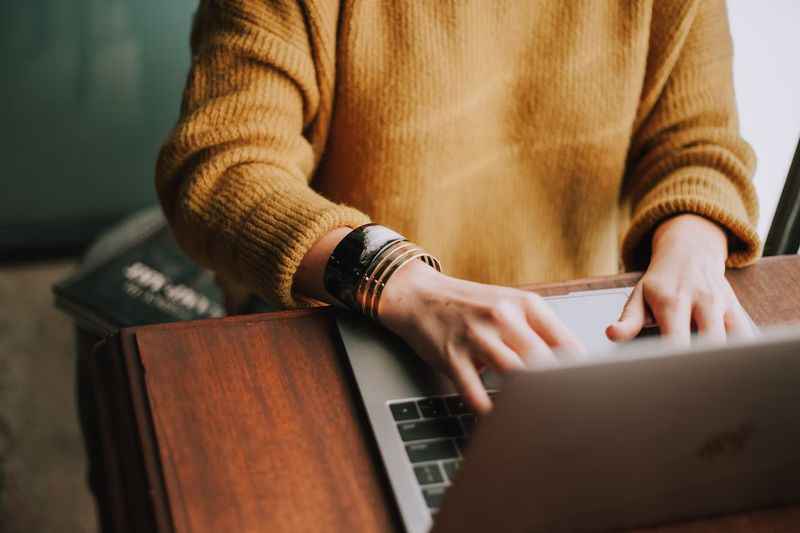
[[252, 423]]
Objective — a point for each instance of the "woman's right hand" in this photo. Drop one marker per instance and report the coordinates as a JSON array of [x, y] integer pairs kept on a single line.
[[454, 324]]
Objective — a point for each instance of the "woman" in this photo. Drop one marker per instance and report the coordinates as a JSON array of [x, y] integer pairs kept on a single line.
[[514, 141]]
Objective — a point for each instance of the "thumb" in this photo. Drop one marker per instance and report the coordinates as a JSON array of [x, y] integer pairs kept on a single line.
[[632, 318]]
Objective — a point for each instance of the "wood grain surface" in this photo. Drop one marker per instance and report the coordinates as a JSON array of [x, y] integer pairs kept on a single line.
[[259, 430], [256, 425]]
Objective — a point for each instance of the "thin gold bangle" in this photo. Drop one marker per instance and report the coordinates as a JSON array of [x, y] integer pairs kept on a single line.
[[375, 268], [366, 276], [381, 277], [377, 274], [376, 302]]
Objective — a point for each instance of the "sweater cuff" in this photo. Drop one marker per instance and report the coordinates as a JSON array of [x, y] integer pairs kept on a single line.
[[281, 230], [700, 191]]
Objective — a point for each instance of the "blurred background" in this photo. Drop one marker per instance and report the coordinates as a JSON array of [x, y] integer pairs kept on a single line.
[[89, 90]]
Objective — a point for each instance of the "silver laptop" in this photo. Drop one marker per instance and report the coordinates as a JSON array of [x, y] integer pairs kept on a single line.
[[629, 432]]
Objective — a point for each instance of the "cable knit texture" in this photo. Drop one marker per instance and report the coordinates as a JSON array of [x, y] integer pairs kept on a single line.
[[517, 141]]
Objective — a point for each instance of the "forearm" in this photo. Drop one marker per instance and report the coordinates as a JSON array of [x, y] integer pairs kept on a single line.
[[233, 176], [686, 153]]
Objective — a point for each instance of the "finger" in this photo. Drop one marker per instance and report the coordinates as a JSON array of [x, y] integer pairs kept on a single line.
[[529, 346], [738, 323], [632, 319], [674, 319], [495, 353], [469, 383], [710, 320], [550, 328]]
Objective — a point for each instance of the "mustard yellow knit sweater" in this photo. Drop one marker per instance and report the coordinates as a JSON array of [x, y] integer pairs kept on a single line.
[[518, 141]]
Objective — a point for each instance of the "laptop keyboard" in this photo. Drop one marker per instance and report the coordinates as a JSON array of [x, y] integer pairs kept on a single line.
[[435, 432]]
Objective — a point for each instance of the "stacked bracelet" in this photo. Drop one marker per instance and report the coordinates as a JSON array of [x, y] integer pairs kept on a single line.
[[390, 259], [362, 263]]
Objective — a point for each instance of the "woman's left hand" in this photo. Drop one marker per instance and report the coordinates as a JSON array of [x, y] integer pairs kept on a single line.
[[685, 284]]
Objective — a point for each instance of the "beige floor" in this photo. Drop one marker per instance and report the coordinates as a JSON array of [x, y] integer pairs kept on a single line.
[[42, 487]]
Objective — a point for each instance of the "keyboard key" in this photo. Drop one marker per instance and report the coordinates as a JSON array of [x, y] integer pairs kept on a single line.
[[440, 428], [457, 406], [433, 496], [450, 468], [404, 411], [427, 474], [468, 421], [431, 451], [431, 407]]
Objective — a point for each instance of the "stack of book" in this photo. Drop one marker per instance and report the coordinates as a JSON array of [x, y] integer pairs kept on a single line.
[[135, 275]]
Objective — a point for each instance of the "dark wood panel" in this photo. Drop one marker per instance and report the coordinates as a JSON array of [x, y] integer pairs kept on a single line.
[[127, 483], [258, 427], [143, 436], [259, 430]]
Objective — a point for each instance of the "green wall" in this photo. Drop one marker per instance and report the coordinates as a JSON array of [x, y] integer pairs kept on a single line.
[[90, 89]]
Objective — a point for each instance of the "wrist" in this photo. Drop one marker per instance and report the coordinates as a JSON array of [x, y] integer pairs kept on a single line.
[[692, 234], [404, 291]]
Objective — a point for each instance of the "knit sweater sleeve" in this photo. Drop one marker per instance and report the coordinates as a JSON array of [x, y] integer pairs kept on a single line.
[[686, 155], [233, 176]]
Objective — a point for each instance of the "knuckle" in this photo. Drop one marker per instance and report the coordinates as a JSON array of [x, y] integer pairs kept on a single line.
[[706, 297], [532, 301], [660, 293]]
